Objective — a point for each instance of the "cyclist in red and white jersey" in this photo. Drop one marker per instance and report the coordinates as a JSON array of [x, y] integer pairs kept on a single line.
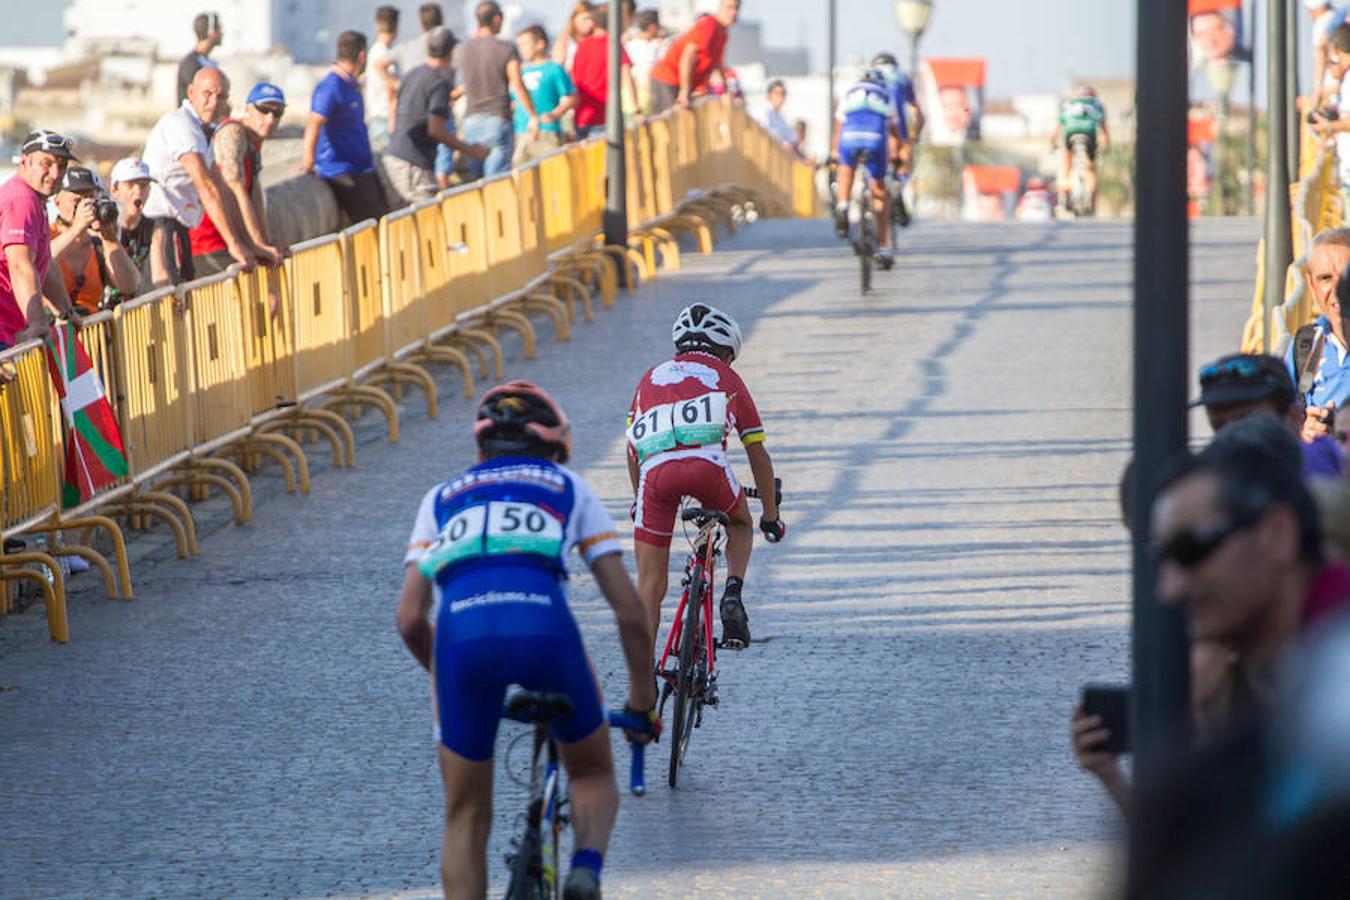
[[682, 413]]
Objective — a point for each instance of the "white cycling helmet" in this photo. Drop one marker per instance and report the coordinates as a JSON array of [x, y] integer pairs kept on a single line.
[[700, 326]]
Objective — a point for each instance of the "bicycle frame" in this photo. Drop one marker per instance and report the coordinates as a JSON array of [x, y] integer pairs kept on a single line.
[[707, 546]]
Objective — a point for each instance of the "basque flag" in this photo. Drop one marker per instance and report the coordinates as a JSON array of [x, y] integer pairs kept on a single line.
[[94, 454]]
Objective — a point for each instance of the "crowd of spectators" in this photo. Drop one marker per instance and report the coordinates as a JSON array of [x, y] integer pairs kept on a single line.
[[381, 131], [1251, 536]]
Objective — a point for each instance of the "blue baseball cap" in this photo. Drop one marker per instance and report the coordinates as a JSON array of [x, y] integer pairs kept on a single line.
[[265, 92]]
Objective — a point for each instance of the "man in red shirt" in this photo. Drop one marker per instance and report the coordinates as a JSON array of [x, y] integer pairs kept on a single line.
[[590, 74], [682, 413], [237, 145], [684, 72], [26, 272]]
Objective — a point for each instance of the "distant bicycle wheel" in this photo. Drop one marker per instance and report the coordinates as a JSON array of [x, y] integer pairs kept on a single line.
[[867, 248]]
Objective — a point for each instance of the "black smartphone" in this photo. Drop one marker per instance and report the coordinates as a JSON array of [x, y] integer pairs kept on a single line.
[[1111, 702]]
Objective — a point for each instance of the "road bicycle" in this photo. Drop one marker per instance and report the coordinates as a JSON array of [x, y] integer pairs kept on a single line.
[[1080, 199], [533, 860], [864, 232], [692, 678]]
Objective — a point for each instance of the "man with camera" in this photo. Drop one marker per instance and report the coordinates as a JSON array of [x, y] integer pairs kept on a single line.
[[1330, 121], [142, 237], [26, 273], [85, 245]]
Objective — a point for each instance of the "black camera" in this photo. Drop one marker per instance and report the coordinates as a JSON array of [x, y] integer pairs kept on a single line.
[[106, 212], [1326, 113]]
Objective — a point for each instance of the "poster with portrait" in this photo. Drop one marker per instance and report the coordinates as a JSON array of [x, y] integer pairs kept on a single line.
[[1215, 30], [989, 193], [951, 92]]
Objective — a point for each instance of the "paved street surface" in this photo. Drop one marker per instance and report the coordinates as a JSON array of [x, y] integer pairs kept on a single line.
[[250, 725]]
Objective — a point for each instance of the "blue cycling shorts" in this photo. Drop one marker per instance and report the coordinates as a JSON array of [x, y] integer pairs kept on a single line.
[[850, 148], [472, 676]]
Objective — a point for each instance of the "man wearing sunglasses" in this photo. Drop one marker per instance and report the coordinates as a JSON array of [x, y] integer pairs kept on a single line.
[[1317, 358], [26, 272], [1244, 384], [1239, 549], [237, 146]]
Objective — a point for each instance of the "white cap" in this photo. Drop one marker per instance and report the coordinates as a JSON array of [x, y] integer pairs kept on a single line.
[[130, 169]]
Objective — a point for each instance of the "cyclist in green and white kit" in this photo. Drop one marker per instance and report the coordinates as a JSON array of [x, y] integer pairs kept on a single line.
[[1081, 117]]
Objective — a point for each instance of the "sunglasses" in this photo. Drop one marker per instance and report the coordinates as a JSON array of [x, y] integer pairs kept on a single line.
[[48, 141], [276, 111], [1189, 549], [1233, 368]]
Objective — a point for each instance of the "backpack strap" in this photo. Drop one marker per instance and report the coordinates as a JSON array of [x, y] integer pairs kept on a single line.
[[1309, 343]]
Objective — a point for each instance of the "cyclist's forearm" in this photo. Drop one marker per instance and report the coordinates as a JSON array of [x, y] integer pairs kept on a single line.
[[411, 618], [761, 467]]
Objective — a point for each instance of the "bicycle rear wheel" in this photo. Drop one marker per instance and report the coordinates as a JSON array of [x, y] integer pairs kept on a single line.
[[685, 687], [867, 248], [526, 869]]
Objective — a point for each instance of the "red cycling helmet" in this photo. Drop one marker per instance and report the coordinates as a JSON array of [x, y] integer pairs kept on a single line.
[[1036, 183], [518, 417], [1087, 90]]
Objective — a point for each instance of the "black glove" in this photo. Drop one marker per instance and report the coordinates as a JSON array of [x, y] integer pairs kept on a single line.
[[643, 715], [773, 531]]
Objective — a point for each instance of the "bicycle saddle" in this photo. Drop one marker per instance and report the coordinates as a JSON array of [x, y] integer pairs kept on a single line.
[[700, 515], [537, 706]]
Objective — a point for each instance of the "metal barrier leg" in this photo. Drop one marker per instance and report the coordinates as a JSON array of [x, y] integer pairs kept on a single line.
[[553, 307], [450, 356], [576, 291], [277, 446], [645, 244], [53, 592], [401, 372], [302, 424], [82, 549], [338, 427], [177, 516], [473, 348], [362, 396], [236, 489], [517, 323], [670, 247], [488, 339]]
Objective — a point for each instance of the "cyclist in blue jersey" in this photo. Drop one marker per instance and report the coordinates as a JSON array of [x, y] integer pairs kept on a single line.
[[866, 122], [484, 607], [901, 88]]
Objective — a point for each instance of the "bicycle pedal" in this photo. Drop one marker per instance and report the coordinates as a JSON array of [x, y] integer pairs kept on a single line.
[[731, 644]]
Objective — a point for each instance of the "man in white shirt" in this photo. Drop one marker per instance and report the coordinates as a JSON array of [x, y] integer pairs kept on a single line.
[[646, 44], [771, 117], [187, 183], [382, 77]]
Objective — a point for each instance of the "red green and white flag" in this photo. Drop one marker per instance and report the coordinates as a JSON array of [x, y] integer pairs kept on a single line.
[[94, 454]]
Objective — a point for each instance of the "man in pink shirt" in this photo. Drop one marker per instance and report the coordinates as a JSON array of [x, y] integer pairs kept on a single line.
[[26, 272]]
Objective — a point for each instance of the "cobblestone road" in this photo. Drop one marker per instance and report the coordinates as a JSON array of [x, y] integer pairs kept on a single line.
[[250, 726]]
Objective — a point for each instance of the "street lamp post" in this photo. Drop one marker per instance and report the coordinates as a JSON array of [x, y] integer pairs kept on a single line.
[[1221, 74], [913, 17]]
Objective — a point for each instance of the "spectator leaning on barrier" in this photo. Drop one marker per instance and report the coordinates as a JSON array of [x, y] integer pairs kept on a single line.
[[488, 69], [382, 78], [141, 238], [424, 124], [1325, 16], [1317, 358], [590, 73], [336, 146], [237, 146], [26, 272], [1325, 121], [551, 92], [771, 117], [207, 29], [85, 244], [694, 59], [646, 44], [187, 183], [1243, 384]]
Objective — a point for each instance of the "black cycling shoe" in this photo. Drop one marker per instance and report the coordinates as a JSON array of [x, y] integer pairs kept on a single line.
[[841, 222], [582, 884], [735, 623]]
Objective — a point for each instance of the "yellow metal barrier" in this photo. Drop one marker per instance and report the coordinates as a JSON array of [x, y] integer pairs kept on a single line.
[[30, 464]]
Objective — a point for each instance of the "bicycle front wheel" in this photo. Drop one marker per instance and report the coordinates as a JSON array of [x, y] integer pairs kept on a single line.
[[865, 260], [685, 688]]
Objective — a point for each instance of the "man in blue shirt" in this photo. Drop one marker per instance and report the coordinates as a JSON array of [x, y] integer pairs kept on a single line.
[[1317, 359], [336, 144]]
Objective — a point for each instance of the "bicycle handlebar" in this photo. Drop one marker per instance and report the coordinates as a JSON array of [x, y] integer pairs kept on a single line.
[[777, 490], [637, 775]]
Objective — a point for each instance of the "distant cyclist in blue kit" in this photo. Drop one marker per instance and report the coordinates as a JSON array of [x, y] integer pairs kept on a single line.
[[911, 124], [484, 607], [866, 122]]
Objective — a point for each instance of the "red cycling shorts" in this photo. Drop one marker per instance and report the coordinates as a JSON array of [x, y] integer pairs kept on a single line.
[[661, 487]]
